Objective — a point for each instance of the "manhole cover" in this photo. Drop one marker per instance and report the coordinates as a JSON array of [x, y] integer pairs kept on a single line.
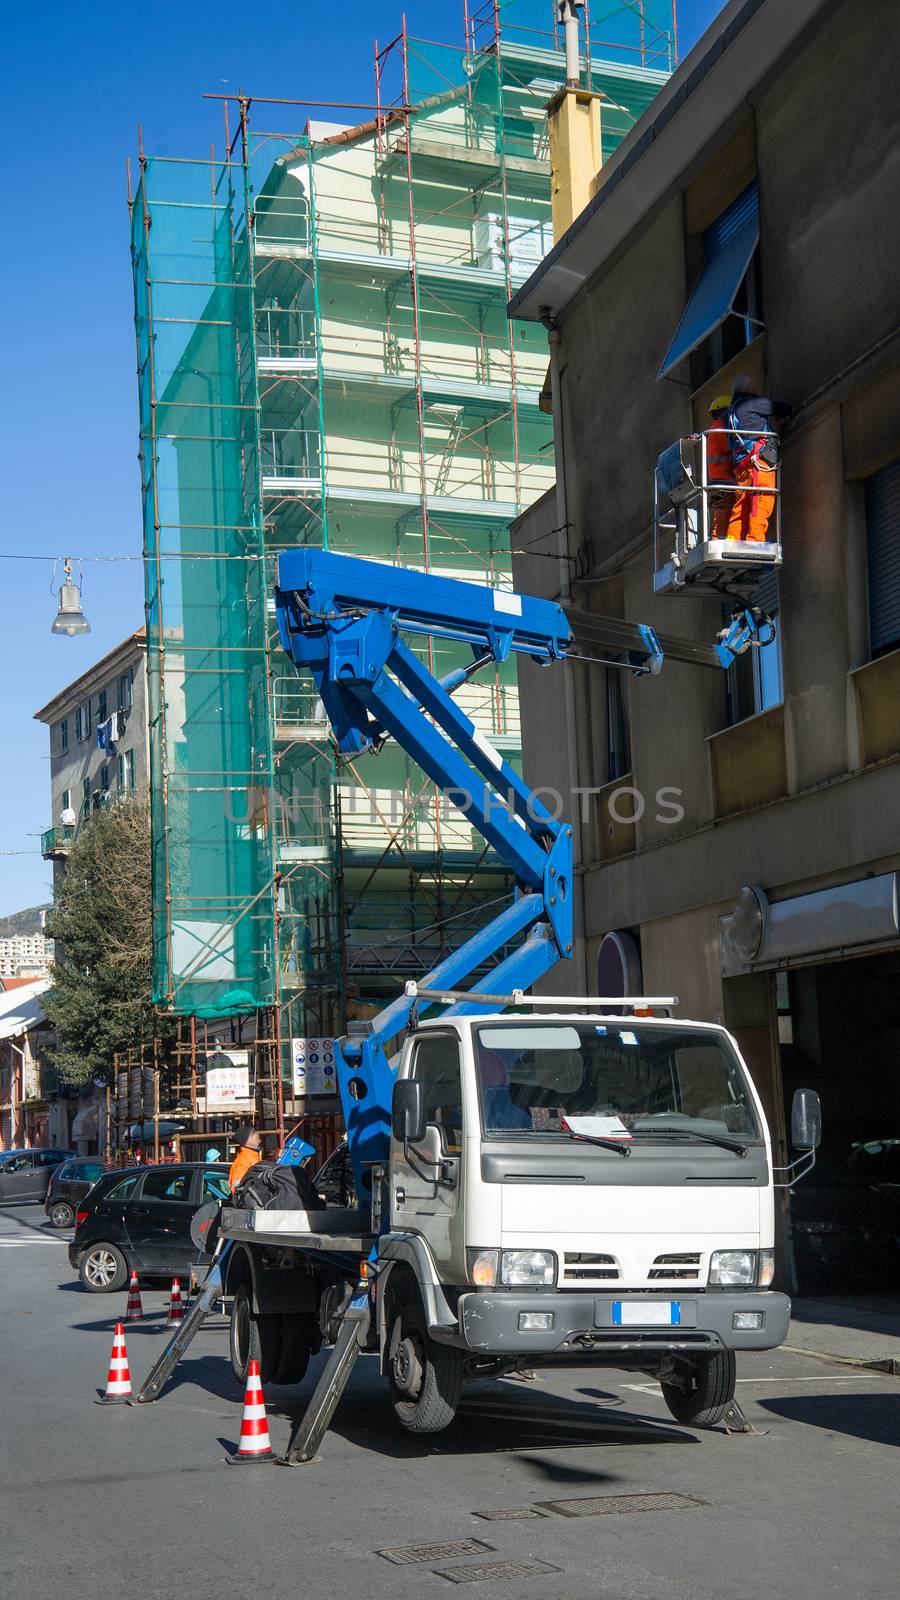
[[401, 1554], [485, 1571], [517, 1514], [604, 1505]]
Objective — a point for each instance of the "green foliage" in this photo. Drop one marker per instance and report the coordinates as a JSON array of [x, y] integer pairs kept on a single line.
[[100, 1000]]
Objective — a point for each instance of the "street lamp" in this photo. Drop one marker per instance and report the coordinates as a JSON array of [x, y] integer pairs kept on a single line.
[[70, 619]]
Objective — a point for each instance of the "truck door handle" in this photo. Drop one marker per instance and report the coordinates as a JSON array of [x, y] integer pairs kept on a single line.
[[400, 1197]]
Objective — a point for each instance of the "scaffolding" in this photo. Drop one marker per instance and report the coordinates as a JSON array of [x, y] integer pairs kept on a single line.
[[324, 358]]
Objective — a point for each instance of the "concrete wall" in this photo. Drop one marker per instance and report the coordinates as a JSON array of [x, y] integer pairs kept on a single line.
[[822, 131]]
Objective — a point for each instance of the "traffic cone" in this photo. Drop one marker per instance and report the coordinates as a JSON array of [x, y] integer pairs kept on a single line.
[[118, 1381], [254, 1443], [134, 1311], [176, 1309]]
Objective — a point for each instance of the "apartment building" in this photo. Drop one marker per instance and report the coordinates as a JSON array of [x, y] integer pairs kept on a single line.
[[25, 955], [739, 838], [99, 744]]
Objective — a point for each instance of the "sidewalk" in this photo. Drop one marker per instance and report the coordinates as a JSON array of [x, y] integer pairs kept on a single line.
[[862, 1329]]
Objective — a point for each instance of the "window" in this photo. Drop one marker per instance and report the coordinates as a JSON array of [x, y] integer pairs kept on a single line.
[[123, 690], [46, 1158], [79, 724], [104, 778], [164, 1184], [125, 771], [216, 1186], [618, 724], [123, 1190], [436, 1065], [724, 312], [87, 718], [756, 682], [529, 238], [67, 800], [882, 503], [64, 735], [85, 796], [101, 706]]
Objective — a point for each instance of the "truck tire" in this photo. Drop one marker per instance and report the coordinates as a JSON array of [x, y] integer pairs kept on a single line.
[[296, 1346], [252, 1337], [707, 1390], [426, 1378]]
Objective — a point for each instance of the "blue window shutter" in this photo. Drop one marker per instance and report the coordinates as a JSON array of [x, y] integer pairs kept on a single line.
[[882, 496], [728, 247]]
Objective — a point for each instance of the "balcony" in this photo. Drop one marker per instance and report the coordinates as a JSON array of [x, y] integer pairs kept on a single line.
[[56, 843], [877, 689]]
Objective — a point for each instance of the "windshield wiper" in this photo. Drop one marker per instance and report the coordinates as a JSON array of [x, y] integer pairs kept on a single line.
[[605, 1144], [691, 1133]]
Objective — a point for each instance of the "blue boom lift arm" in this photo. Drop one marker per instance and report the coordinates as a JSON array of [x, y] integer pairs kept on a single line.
[[344, 620]]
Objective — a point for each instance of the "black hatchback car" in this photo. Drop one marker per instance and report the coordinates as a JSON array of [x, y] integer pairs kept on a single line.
[[141, 1220], [68, 1185]]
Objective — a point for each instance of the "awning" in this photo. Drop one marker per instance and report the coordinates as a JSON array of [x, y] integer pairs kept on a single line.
[[21, 1009], [728, 248], [84, 1125]]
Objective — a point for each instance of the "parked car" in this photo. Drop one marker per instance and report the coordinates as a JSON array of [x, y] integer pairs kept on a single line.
[[69, 1183], [25, 1174], [140, 1220]]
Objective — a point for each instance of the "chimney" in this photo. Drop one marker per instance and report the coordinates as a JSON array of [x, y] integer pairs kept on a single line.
[[574, 127]]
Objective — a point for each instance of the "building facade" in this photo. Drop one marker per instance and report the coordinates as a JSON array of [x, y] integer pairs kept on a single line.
[[339, 372], [25, 955], [99, 743], [739, 836]]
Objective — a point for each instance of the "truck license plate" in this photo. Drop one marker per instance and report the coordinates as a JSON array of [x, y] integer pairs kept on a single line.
[[646, 1313]]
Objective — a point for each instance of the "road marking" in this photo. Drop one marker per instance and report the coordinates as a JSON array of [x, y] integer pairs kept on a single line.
[[15, 1244], [653, 1388]]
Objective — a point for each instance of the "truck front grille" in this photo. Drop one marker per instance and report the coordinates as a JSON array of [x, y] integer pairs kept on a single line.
[[585, 1269], [686, 1266]]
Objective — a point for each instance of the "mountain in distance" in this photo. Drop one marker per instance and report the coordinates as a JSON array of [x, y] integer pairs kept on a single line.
[[24, 922]]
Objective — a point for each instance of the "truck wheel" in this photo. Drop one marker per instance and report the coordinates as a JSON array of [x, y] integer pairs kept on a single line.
[[296, 1346], [426, 1378], [705, 1392], [253, 1338]]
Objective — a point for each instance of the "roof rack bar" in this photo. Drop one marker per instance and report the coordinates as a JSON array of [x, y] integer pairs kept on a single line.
[[584, 1002]]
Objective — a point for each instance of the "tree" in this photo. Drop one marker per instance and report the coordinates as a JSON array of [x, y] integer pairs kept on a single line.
[[100, 1000]]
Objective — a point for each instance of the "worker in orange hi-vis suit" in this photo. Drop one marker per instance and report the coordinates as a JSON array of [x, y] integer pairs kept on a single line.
[[249, 1141], [755, 454], [720, 467]]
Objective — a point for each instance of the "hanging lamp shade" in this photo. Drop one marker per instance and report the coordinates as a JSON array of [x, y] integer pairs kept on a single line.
[[70, 619]]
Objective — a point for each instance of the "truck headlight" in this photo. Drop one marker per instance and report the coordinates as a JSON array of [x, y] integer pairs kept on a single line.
[[528, 1269], [482, 1267], [735, 1269]]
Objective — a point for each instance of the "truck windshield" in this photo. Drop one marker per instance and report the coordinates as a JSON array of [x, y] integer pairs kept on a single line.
[[610, 1080]]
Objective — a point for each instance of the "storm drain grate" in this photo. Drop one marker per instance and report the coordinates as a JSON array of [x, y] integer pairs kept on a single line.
[[484, 1571], [517, 1514], [605, 1505], [403, 1554]]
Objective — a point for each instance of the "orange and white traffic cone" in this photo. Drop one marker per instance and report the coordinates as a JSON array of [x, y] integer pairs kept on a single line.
[[118, 1381], [176, 1308], [134, 1311], [254, 1443]]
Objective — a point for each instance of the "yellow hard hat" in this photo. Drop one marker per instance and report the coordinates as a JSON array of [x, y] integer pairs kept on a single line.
[[722, 402]]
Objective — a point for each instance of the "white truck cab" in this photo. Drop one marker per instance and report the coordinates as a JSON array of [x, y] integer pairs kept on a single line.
[[577, 1187]]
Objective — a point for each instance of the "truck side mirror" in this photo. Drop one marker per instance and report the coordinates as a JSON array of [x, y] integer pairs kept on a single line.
[[408, 1111], [806, 1120]]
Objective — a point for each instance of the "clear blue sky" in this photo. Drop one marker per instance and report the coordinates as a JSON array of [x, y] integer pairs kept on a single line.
[[76, 82]]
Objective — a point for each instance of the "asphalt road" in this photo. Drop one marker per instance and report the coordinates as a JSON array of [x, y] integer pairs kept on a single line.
[[137, 1502]]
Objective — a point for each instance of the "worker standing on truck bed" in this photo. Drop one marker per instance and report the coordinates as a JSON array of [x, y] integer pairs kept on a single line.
[[249, 1141], [755, 453]]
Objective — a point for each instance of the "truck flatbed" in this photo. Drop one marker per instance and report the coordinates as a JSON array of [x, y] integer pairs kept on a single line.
[[333, 1231]]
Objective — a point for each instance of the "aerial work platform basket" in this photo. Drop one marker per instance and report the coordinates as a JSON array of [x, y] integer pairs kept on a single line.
[[687, 557]]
